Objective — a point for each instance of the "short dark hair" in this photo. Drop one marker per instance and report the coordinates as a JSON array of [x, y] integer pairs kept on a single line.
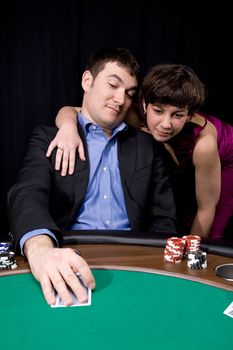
[[122, 56], [175, 85]]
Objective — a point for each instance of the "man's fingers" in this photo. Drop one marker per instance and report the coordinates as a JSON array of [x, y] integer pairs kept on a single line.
[[75, 285], [60, 286], [87, 277], [47, 290], [81, 266]]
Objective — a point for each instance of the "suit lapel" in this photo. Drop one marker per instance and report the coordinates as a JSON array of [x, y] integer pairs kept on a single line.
[[81, 172], [127, 152]]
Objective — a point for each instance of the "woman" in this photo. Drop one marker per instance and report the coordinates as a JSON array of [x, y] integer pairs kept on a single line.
[[199, 147]]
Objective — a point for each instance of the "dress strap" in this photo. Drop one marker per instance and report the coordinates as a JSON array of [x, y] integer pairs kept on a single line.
[[205, 123]]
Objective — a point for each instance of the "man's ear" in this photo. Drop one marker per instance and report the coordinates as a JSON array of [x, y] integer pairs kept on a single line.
[[87, 80]]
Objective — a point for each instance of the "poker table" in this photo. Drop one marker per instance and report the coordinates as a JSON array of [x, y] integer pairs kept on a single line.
[[140, 302]]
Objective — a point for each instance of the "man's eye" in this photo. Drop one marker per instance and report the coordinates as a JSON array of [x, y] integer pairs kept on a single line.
[[112, 85]]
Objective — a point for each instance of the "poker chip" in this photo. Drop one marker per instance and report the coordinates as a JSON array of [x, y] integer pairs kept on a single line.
[[4, 247], [7, 257]]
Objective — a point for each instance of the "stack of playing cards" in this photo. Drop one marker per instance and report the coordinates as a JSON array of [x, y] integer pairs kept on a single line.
[[229, 310], [76, 302]]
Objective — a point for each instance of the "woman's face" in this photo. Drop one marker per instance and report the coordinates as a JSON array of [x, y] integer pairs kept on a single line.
[[165, 121]]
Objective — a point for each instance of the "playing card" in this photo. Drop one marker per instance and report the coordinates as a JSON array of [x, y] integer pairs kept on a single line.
[[76, 302], [229, 310]]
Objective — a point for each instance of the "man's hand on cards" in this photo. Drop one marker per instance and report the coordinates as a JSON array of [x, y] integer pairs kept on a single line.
[[76, 302]]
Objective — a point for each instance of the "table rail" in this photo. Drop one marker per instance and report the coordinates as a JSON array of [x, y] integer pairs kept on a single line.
[[140, 258]]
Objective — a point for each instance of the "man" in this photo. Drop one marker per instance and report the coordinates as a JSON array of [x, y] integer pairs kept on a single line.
[[122, 185]]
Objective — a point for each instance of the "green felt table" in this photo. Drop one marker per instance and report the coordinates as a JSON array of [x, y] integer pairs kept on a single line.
[[129, 310]]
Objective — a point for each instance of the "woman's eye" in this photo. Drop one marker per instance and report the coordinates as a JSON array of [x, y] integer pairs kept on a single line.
[[131, 93], [178, 116]]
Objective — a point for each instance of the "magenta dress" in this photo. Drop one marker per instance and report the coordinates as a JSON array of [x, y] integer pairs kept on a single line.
[[183, 176]]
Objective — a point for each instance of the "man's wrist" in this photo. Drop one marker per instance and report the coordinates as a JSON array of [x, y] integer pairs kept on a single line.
[[36, 242]]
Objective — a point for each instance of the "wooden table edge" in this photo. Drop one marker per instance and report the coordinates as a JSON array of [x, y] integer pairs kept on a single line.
[[131, 258]]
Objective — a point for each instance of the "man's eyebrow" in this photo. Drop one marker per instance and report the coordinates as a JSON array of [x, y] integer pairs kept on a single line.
[[115, 76], [121, 81]]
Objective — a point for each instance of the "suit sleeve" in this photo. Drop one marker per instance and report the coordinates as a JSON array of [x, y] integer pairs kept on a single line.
[[161, 207], [28, 199]]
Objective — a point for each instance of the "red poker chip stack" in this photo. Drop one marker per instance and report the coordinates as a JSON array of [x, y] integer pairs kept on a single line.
[[174, 249], [192, 244]]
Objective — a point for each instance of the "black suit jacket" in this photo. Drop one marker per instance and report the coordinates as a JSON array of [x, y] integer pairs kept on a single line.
[[42, 198]]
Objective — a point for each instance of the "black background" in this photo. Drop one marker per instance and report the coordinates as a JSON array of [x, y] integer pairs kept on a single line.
[[44, 46]]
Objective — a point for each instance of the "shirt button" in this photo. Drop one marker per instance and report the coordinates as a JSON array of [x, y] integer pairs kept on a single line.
[[94, 127], [105, 196], [105, 168], [107, 222]]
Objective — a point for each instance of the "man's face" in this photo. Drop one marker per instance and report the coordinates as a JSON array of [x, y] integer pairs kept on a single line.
[[108, 97]]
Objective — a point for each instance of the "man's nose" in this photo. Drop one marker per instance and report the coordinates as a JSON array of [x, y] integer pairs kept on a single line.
[[120, 97]]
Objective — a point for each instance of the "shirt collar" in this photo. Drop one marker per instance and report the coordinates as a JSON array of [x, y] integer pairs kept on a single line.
[[86, 123]]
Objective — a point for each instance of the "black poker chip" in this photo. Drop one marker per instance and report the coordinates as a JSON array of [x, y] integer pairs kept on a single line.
[[7, 257]]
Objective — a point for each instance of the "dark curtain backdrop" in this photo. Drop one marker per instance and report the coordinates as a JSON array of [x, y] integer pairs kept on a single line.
[[44, 46]]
